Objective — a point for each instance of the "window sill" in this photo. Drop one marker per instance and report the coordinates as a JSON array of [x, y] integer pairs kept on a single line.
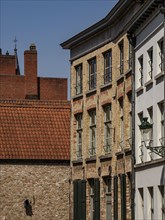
[[128, 73], [91, 92], [77, 162], [91, 159], [139, 90], [120, 79], [79, 96], [127, 151], [106, 86], [148, 83], [159, 75], [105, 157]]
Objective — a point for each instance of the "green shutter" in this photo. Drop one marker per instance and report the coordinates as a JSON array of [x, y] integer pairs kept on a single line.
[[83, 200], [123, 196], [96, 199], [115, 198], [75, 198]]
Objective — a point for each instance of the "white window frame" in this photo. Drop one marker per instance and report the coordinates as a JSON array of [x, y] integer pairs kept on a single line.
[[78, 79], [92, 149], [107, 128], [108, 67], [79, 133]]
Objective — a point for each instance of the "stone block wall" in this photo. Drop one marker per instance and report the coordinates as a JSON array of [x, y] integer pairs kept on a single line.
[[46, 186]]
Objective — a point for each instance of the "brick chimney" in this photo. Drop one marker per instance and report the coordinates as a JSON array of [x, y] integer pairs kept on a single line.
[[30, 70]]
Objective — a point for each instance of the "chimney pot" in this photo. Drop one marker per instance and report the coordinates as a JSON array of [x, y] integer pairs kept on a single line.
[[32, 46]]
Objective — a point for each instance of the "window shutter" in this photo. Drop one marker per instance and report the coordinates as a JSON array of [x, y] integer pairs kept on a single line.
[[123, 197], [96, 199], [75, 197], [83, 200], [115, 198]]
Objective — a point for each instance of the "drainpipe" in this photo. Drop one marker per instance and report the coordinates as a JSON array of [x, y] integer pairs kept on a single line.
[[162, 10], [132, 41]]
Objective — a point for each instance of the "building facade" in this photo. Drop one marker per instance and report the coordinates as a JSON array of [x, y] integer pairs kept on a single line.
[[148, 30], [101, 117], [34, 143]]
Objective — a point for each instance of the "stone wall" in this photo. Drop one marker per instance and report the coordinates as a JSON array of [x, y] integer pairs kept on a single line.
[[45, 186]]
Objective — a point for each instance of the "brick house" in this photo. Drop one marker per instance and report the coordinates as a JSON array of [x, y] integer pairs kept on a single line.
[[101, 117], [34, 142]]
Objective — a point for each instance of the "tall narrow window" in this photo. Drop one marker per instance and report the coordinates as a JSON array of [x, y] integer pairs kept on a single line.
[[130, 57], [150, 113], [108, 196], [141, 203], [79, 136], [151, 200], [107, 129], [107, 67], [160, 43], [94, 199], [78, 79], [162, 201], [141, 70], [121, 123], [141, 147], [123, 196], [92, 149], [162, 138], [92, 74], [121, 48], [150, 63]]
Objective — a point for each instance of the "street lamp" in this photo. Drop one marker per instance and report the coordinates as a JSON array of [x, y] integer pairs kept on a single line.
[[146, 130]]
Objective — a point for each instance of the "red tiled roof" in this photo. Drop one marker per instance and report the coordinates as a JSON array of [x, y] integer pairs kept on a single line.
[[35, 130]]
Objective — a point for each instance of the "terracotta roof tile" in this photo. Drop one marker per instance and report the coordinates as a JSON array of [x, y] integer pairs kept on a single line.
[[34, 130]]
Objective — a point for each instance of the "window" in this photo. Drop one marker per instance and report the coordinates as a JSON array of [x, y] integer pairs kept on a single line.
[[141, 155], [107, 129], [115, 184], [150, 120], [140, 203], [150, 63], [121, 48], [92, 74], [94, 199], [78, 79], [79, 136], [162, 201], [150, 113], [108, 196], [123, 196], [92, 149], [141, 70], [79, 188], [162, 139], [160, 44], [121, 123], [107, 67], [151, 200], [130, 57]]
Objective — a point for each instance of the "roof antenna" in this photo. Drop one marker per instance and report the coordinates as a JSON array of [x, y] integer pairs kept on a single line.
[[15, 51]]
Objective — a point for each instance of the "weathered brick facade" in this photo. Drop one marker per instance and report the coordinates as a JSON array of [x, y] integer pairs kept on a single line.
[[101, 166], [28, 86]]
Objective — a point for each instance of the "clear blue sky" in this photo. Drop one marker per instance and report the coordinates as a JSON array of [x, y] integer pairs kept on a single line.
[[47, 23]]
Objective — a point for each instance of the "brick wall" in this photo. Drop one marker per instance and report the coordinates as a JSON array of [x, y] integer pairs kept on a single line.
[[119, 160], [45, 186], [7, 64], [28, 86]]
